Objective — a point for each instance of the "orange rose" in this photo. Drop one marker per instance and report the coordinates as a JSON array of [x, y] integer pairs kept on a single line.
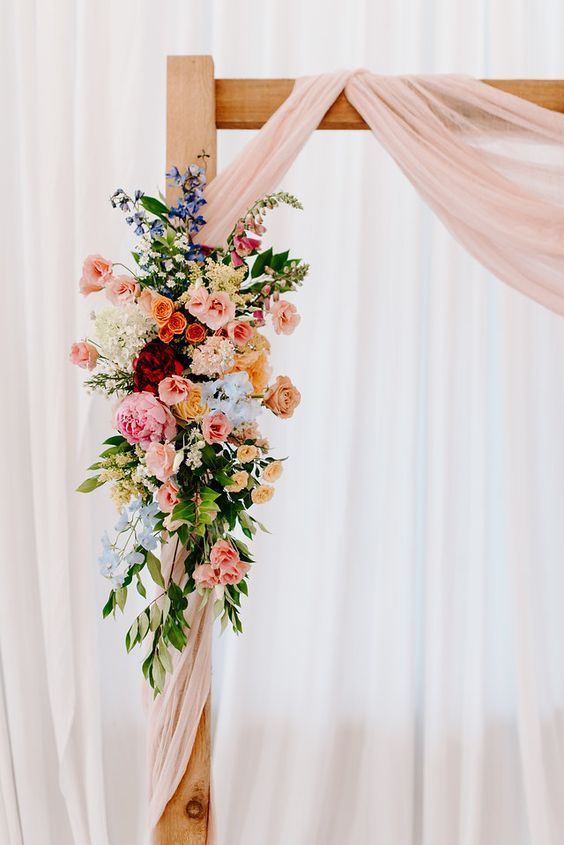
[[162, 308], [195, 333], [255, 364], [165, 333], [282, 398], [177, 323]]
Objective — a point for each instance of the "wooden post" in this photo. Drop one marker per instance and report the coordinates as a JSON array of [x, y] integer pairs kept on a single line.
[[190, 130]]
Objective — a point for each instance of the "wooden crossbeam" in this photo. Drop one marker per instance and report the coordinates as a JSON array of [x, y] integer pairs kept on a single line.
[[248, 103]]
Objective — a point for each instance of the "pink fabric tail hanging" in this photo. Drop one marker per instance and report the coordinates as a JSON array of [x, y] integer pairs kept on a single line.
[[490, 165]]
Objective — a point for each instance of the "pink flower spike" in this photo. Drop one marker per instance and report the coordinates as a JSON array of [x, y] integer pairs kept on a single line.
[[237, 262]]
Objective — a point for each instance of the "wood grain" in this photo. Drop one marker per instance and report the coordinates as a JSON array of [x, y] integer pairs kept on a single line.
[[190, 130], [248, 103], [185, 819]]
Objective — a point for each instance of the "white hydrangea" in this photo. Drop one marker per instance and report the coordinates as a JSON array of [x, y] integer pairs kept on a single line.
[[122, 332], [194, 447]]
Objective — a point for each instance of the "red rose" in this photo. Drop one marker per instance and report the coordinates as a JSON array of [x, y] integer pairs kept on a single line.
[[155, 362]]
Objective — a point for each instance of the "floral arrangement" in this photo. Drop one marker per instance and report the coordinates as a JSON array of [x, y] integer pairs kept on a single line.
[[179, 347]]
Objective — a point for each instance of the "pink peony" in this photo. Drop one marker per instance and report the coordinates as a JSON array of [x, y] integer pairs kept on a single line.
[[142, 419], [159, 460], [239, 333], [122, 289], [220, 309], [216, 428], [285, 317], [206, 576], [174, 389], [225, 561], [96, 273], [84, 355], [167, 497], [197, 305]]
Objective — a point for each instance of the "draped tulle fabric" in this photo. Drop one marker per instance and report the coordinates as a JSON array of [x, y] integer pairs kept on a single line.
[[492, 168]]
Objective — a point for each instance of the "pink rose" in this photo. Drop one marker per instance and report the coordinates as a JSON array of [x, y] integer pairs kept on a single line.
[[206, 576], [174, 389], [197, 305], [225, 561], [216, 428], [159, 460], [142, 419], [96, 273], [145, 302], [84, 355], [285, 316], [220, 309], [239, 333], [121, 289], [167, 497]]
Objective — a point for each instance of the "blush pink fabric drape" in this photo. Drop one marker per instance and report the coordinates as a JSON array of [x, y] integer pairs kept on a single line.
[[490, 165]]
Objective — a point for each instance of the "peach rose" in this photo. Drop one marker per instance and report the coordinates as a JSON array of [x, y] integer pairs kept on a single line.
[[145, 302], [84, 355], [121, 289], [272, 471], [174, 389], [256, 365], [239, 481], [177, 323], [161, 309], [261, 494], [96, 273], [216, 428], [285, 316], [206, 576], [246, 453], [167, 497], [226, 563], [191, 408], [239, 333], [159, 460], [282, 398], [197, 305], [220, 309]]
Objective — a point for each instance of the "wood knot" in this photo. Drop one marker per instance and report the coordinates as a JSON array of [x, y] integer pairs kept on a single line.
[[195, 809]]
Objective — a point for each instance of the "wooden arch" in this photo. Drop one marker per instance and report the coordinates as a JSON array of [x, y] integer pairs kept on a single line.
[[198, 105]]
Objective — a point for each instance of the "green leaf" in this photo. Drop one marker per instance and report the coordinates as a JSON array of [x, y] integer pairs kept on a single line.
[[121, 597], [185, 512], [261, 261], [279, 260], [154, 205], [243, 587], [141, 588], [164, 656], [131, 636], [115, 440], [158, 674], [155, 617], [90, 484], [143, 622], [166, 606], [154, 567], [110, 605]]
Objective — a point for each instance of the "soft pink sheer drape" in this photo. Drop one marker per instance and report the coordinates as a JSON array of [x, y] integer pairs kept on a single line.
[[492, 168]]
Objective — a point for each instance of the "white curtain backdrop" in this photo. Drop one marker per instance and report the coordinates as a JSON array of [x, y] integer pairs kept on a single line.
[[400, 679]]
